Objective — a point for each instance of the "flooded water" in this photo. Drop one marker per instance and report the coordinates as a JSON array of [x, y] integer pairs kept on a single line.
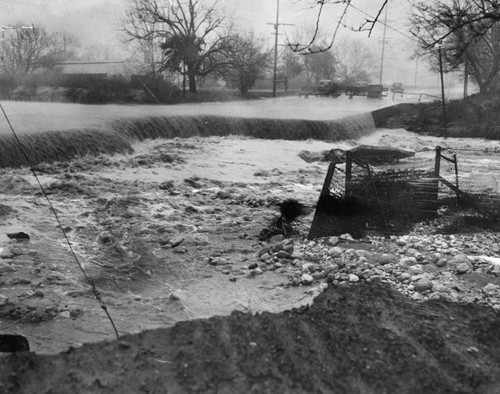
[[37, 116], [181, 293]]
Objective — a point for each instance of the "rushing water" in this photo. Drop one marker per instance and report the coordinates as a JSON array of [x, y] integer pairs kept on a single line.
[[193, 299]]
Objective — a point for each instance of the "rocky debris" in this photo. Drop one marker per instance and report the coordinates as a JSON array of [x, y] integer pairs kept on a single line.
[[379, 155], [422, 266], [372, 155], [332, 155], [20, 236], [176, 241]]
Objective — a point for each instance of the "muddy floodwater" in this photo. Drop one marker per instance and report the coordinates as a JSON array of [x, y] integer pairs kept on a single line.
[[166, 233]]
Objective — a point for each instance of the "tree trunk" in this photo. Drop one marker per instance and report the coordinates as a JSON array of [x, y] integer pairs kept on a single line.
[[192, 82]]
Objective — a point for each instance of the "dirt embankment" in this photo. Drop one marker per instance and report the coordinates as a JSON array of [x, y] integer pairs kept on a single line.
[[476, 116], [356, 339]]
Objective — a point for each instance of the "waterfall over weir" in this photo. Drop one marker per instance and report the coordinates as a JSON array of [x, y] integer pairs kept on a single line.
[[118, 136]]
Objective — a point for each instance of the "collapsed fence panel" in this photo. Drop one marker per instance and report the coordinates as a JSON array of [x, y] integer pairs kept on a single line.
[[357, 197]]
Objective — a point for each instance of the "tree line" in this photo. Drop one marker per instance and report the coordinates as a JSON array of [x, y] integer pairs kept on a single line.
[[195, 40]]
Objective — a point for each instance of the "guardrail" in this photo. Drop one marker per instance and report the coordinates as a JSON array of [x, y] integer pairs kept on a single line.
[[417, 94]]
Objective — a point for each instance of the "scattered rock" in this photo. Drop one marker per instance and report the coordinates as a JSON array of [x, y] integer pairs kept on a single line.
[[335, 251], [265, 256], [284, 255], [491, 289], [308, 267], [496, 270], [422, 285], [65, 314], [333, 241], [462, 268], [306, 279], [176, 241], [264, 250], [174, 296], [353, 278], [441, 263]]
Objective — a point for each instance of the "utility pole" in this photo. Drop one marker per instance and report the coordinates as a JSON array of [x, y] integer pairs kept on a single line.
[[276, 33], [466, 76], [416, 71], [445, 130], [383, 45], [276, 26]]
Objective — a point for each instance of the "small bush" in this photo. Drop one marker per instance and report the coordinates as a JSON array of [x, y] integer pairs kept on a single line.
[[156, 89]]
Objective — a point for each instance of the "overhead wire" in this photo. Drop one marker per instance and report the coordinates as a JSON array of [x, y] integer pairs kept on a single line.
[[59, 223], [383, 23]]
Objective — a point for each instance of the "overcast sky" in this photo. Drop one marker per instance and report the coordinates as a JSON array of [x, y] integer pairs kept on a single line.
[[97, 21]]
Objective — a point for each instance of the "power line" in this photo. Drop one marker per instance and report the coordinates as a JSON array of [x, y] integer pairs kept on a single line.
[[384, 24], [32, 169]]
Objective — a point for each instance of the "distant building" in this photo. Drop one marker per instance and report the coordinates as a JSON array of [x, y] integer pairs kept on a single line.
[[103, 68]]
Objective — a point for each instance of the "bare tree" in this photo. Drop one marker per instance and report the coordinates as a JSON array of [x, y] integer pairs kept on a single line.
[[26, 48], [482, 60], [291, 66], [144, 42], [319, 65], [465, 33], [191, 32], [435, 22], [246, 59], [354, 61], [315, 42]]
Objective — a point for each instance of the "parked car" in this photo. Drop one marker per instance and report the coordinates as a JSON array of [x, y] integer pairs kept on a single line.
[[375, 91], [327, 87], [358, 89]]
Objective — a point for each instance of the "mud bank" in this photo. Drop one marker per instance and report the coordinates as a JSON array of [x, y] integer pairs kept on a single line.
[[363, 339]]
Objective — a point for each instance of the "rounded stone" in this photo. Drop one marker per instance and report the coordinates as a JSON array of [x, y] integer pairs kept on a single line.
[[422, 285], [335, 251]]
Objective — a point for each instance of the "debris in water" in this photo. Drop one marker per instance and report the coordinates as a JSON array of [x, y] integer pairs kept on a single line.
[[290, 210], [20, 236], [13, 343]]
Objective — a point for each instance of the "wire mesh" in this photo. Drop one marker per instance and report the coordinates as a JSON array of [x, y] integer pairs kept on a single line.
[[476, 174], [392, 195]]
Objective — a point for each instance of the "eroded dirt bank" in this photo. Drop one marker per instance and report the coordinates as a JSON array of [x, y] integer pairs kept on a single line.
[[355, 339]]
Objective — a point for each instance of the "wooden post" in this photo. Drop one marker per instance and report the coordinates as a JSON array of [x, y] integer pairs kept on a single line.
[[348, 172], [328, 179], [433, 196], [437, 163]]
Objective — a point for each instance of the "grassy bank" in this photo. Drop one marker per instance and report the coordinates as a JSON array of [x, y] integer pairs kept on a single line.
[[119, 136]]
